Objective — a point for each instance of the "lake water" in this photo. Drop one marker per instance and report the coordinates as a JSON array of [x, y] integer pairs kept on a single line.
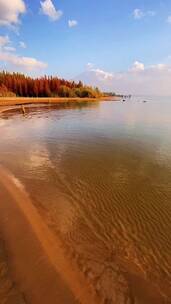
[[100, 175]]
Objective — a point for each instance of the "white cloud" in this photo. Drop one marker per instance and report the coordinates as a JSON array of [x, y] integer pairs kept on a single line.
[[16, 62], [4, 40], [137, 66], [5, 44], [169, 19], [13, 61], [138, 79], [139, 14], [102, 75], [72, 23], [22, 45], [10, 11], [89, 65], [9, 48], [48, 9]]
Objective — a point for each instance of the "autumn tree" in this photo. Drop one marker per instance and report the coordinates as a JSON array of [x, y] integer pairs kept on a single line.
[[46, 86]]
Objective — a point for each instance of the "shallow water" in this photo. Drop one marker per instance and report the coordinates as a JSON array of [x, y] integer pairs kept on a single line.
[[100, 175]]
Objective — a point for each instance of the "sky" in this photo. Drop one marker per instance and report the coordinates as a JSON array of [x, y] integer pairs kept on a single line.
[[121, 46]]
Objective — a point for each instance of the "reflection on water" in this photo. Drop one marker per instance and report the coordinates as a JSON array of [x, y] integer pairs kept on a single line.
[[101, 175]]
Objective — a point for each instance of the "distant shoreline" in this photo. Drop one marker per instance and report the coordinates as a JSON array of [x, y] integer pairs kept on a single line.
[[7, 102], [11, 101]]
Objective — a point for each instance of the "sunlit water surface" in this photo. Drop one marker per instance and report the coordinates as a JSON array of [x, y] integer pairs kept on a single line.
[[101, 175]]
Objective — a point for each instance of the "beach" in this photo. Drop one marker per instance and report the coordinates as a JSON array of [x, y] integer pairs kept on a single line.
[[12, 101]]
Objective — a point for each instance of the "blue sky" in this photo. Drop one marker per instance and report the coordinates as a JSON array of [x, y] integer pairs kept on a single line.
[[61, 37]]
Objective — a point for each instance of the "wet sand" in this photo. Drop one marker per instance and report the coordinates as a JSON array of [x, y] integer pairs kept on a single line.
[[12, 101], [26, 108], [23, 105], [28, 100]]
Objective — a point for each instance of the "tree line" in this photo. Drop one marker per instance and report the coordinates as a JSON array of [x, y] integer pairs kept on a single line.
[[16, 84]]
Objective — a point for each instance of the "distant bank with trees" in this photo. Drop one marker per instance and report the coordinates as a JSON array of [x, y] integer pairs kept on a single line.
[[19, 85]]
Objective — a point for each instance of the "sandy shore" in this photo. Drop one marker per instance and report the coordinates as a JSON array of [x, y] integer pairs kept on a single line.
[[11, 101], [12, 104], [36, 258]]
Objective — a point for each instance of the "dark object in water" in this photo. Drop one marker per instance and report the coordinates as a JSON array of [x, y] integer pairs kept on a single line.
[[124, 100], [145, 101]]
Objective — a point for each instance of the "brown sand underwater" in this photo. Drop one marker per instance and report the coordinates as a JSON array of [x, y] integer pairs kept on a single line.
[[85, 205], [36, 270]]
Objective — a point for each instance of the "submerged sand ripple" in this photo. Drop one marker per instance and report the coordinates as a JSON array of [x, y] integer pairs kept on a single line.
[[40, 267], [36, 259]]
